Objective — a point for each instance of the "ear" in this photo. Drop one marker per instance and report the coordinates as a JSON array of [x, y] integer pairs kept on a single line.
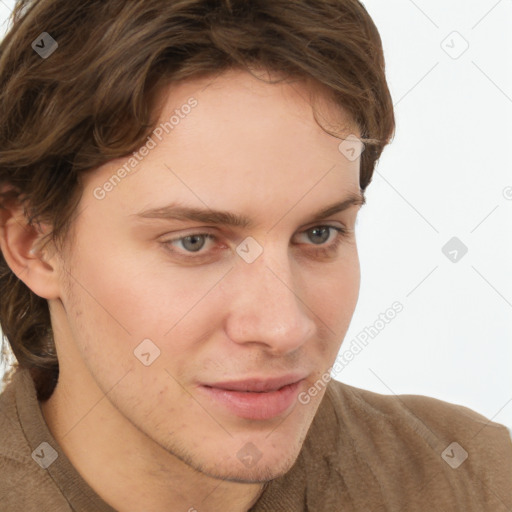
[[19, 244]]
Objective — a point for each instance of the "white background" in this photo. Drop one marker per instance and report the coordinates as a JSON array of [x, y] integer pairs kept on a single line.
[[446, 174]]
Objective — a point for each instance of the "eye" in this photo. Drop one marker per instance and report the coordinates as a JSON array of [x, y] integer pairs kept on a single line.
[[195, 242], [320, 234], [187, 246]]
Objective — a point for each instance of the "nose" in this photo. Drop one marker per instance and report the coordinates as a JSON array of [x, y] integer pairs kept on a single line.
[[266, 307]]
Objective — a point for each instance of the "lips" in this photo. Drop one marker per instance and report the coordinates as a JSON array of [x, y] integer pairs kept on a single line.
[[254, 399], [257, 385]]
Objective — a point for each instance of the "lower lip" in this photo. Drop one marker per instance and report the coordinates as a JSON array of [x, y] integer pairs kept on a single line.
[[255, 406]]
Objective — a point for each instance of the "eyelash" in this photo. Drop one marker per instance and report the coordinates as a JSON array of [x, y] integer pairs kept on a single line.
[[322, 250]]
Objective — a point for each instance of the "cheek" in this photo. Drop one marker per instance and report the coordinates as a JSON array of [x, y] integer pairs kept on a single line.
[[117, 301], [135, 290], [334, 291]]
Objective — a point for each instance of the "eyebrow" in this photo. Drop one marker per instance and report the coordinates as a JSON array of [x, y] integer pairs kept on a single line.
[[176, 211]]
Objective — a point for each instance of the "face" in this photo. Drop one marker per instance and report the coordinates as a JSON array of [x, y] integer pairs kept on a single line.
[[204, 332]]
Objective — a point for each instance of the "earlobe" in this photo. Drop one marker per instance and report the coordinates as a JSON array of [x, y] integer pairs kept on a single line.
[[20, 246]]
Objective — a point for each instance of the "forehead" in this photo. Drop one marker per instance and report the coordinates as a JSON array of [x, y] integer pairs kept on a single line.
[[234, 139], [247, 101]]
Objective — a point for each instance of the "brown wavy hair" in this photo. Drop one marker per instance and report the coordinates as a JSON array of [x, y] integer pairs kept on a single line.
[[92, 100]]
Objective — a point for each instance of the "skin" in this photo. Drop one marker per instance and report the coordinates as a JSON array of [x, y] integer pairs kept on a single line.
[[144, 437]]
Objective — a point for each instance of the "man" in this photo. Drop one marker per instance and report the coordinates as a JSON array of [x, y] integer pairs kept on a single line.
[[181, 182]]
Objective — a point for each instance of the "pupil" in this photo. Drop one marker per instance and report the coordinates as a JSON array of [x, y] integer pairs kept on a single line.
[[326, 233], [194, 246]]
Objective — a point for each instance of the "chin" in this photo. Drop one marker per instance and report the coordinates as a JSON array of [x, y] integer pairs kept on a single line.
[[267, 468]]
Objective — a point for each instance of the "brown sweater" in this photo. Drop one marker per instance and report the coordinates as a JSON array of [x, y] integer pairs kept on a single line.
[[364, 452]]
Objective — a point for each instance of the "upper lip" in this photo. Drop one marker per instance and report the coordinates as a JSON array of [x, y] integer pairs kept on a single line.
[[260, 384]]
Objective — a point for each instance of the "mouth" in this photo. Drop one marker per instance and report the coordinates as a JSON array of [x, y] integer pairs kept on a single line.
[[255, 399]]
